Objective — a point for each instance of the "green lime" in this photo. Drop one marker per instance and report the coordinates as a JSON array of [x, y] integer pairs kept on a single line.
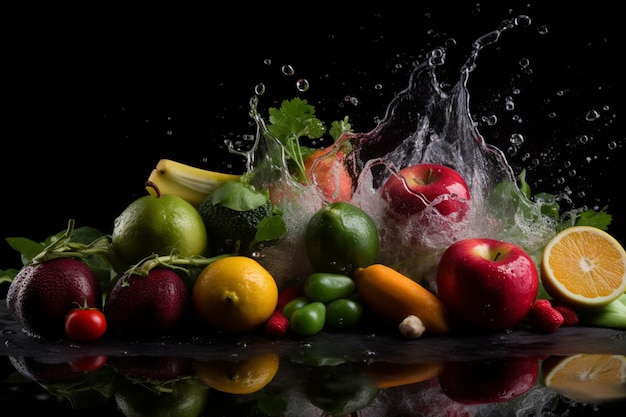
[[341, 237], [163, 225]]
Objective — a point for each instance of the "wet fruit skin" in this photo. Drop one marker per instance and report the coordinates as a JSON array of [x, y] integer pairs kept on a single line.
[[341, 237], [154, 304], [487, 284], [309, 320], [85, 324], [41, 295]]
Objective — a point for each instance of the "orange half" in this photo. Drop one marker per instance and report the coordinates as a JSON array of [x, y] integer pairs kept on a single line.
[[584, 266], [587, 377]]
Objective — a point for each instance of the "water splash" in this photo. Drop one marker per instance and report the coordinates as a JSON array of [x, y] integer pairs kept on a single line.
[[425, 122]]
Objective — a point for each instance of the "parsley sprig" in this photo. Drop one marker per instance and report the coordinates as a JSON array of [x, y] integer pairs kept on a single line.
[[294, 120]]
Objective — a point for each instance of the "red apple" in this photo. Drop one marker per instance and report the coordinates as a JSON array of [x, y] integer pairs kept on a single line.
[[487, 284], [413, 188], [486, 381]]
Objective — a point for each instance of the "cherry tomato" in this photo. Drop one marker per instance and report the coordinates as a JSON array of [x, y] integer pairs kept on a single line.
[[85, 324], [89, 363]]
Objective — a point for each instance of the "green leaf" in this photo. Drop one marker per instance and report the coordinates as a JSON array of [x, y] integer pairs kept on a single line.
[[270, 228], [86, 234], [28, 248], [338, 128], [523, 185], [236, 195], [600, 219], [295, 119], [8, 275], [549, 205]]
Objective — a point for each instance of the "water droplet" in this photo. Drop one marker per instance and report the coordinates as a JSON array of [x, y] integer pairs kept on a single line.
[[523, 21], [583, 139], [524, 62], [516, 139], [378, 87], [437, 57], [352, 100], [287, 69], [552, 115], [267, 61], [259, 89], [612, 145], [509, 104], [543, 30], [302, 85], [592, 115], [490, 120], [571, 173]]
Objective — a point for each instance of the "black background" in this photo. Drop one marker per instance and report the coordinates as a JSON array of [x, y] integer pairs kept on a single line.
[[95, 98]]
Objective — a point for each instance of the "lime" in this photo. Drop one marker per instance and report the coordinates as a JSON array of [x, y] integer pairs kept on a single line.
[[341, 237], [161, 224]]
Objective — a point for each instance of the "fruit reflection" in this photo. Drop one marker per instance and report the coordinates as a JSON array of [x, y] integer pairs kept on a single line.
[[386, 375], [586, 377], [489, 380], [238, 377], [341, 389], [184, 398], [308, 385]]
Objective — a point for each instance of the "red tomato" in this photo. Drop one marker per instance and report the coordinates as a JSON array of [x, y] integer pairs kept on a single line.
[[85, 324], [89, 363]]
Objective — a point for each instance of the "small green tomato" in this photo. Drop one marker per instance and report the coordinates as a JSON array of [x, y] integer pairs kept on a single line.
[[309, 320], [343, 313]]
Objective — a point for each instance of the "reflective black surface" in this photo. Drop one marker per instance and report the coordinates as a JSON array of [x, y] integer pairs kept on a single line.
[[377, 373]]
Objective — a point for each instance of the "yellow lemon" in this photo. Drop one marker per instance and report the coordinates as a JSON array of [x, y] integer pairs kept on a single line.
[[234, 294], [238, 377]]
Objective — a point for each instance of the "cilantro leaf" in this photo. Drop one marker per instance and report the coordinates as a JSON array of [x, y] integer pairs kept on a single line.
[[600, 219], [339, 127], [295, 119]]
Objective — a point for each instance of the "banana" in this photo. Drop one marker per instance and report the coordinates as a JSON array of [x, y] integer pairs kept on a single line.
[[188, 182]]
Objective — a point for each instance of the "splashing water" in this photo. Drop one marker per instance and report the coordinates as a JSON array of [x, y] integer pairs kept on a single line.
[[423, 123]]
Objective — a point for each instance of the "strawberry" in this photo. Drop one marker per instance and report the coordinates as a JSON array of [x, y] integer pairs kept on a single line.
[[277, 325], [570, 318], [287, 295], [544, 318]]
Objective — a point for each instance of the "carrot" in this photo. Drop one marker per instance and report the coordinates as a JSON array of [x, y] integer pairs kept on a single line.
[[396, 296], [387, 375]]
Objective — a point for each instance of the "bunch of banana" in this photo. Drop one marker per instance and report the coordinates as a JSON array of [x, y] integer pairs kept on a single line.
[[191, 183]]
